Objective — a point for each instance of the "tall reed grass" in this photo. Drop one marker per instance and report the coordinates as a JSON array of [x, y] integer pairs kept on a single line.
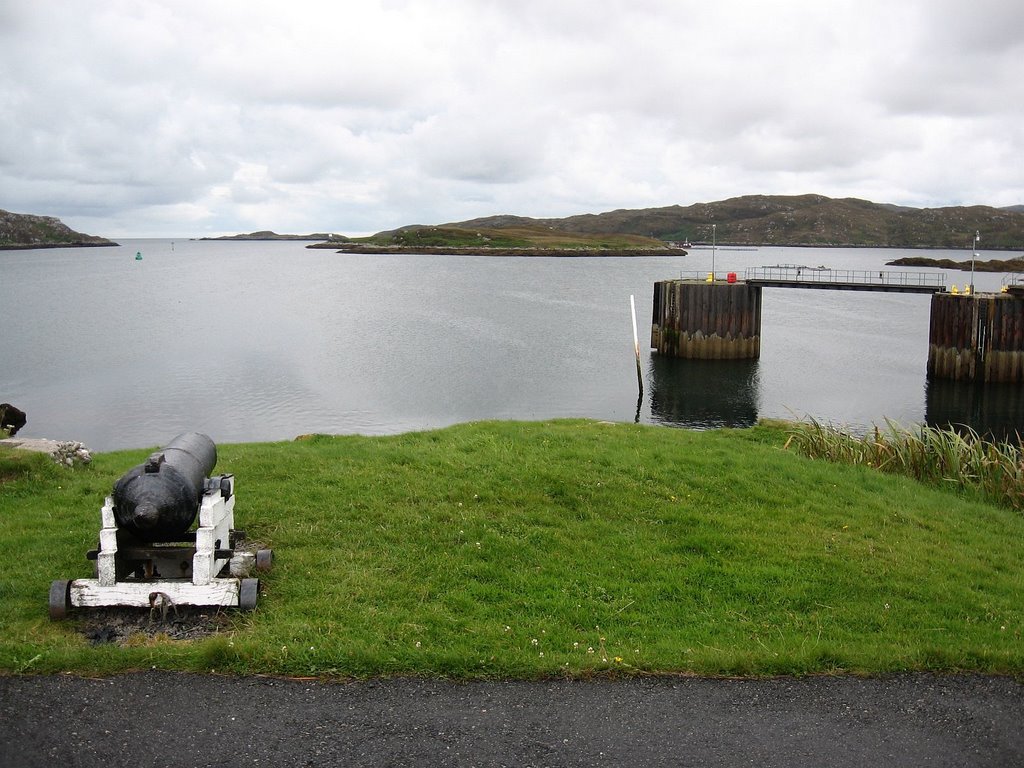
[[993, 470]]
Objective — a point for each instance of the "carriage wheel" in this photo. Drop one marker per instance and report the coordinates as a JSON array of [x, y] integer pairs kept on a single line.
[[248, 591], [60, 599], [264, 559]]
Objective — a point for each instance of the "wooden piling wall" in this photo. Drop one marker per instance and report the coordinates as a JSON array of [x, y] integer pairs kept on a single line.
[[976, 338], [706, 321]]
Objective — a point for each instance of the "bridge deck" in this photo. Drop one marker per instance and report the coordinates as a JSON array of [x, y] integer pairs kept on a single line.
[[846, 279]]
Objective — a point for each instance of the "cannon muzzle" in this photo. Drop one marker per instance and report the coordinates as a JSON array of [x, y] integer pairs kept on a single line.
[[158, 500]]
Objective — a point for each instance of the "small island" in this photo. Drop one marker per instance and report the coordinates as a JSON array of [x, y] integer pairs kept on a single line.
[[512, 241], [23, 231], [989, 265], [268, 235]]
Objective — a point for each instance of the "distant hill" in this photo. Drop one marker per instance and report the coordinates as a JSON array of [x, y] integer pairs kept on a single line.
[[23, 230], [794, 220], [267, 235]]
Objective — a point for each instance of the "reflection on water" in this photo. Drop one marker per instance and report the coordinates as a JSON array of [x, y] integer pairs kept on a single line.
[[995, 411], [703, 394], [706, 394]]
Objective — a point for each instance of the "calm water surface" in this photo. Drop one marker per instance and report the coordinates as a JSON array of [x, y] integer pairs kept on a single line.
[[266, 341]]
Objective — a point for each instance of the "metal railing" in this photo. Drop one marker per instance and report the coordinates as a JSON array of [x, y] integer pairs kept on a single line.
[[1014, 278], [788, 273], [701, 275]]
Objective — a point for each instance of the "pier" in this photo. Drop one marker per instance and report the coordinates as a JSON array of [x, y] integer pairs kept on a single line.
[[977, 338], [972, 337], [707, 321]]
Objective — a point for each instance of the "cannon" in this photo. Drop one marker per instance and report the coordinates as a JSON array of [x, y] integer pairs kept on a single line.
[[159, 499], [149, 555]]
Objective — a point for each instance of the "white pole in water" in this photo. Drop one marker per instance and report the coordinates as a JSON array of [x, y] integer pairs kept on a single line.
[[636, 345]]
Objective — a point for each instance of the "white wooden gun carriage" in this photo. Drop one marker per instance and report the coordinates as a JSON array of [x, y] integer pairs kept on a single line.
[[160, 566]]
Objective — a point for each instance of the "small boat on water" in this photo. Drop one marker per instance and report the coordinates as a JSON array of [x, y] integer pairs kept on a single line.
[[138, 255]]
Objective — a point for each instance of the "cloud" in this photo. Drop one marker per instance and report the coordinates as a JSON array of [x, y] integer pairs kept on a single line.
[[181, 118], [958, 60]]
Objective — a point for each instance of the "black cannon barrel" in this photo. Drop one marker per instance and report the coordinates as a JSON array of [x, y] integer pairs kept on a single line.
[[159, 499]]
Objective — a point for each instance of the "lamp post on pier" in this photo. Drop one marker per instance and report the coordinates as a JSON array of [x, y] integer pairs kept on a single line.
[[974, 255], [714, 233]]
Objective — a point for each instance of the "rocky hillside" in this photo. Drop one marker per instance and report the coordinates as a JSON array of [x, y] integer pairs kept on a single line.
[[22, 230], [797, 220]]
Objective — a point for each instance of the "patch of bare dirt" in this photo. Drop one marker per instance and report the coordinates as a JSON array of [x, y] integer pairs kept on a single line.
[[131, 626]]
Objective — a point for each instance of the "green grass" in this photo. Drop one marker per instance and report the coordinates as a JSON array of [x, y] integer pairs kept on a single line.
[[455, 237], [562, 548]]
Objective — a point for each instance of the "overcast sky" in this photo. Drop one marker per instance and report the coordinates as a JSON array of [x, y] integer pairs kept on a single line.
[[178, 118]]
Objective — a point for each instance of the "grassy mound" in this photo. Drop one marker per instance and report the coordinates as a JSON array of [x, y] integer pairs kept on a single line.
[[508, 237], [562, 548]]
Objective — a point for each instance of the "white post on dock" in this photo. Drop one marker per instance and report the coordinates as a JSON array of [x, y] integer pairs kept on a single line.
[[636, 345]]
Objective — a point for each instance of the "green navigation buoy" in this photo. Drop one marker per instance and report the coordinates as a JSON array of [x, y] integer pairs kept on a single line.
[[138, 255]]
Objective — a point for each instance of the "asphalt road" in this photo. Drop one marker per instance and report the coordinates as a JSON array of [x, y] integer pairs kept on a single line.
[[167, 719]]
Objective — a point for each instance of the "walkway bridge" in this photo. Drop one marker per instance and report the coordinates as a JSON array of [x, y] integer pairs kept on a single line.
[[789, 276]]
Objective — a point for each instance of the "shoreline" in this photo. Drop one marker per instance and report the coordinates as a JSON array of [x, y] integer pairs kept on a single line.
[[40, 246], [426, 250], [666, 251]]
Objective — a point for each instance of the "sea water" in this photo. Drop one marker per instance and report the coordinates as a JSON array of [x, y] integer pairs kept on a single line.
[[252, 341]]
